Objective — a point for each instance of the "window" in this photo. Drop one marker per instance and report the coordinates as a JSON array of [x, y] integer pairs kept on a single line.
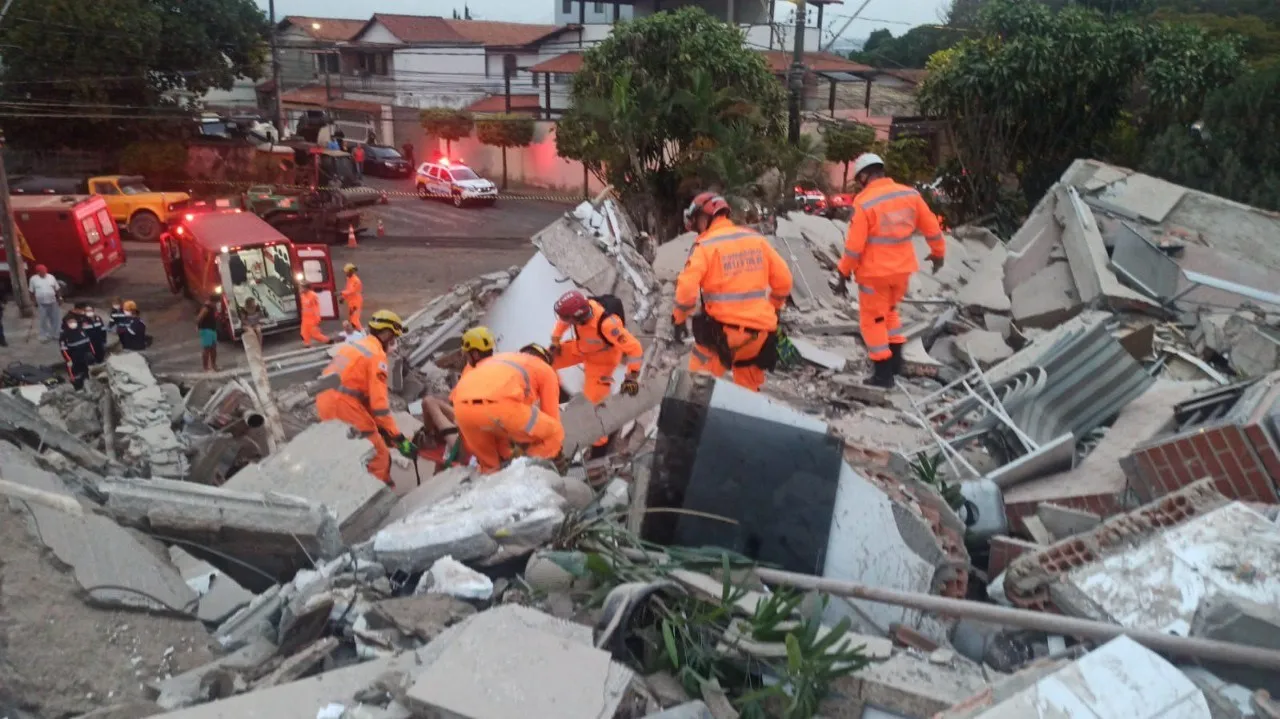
[[566, 6], [328, 62], [108, 225], [373, 63], [104, 188], [434, 173], [464, 173], [313, 271], [91, 230]]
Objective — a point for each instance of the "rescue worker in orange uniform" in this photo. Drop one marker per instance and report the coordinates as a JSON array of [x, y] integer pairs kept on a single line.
[[353, 295], [743, 281], [511, 398], [309, 306], [360, 399], [600, 343], [881, 257]]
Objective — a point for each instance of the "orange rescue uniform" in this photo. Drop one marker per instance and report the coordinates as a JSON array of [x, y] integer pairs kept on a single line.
[[360, 400], [599, 346], [880, 256], [353, 294], [509, 398], [744, 282], [309, 304]]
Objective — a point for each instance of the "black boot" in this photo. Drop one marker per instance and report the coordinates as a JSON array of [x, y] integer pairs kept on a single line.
[[895, 362], [881, 375]]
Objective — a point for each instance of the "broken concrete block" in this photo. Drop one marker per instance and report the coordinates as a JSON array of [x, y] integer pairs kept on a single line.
[[815, 354], [111, 566], [907, 684], [479, 676], [325, 465], [985, 347], [191, 687], [1048, 299], [422, 616], [516, 508], [584, 422], [220, 595], [145, 417], [439, 486], [1063, 522], [1256, 353], [672, 255], [1120, 678], [451, 577], [256, 621], [1087, 256], [17, 413], [985, 290], [1238, 620], [275, 532]]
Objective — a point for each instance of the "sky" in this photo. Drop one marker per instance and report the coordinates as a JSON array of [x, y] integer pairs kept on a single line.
[[894, 15]]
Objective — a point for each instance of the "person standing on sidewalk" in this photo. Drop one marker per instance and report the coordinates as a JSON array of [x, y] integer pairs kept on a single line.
[[77, 349], [46, 294], [357, 154], [207, 325]]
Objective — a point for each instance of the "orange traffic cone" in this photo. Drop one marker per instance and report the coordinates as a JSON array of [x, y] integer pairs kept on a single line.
[[351, 236], [382, 231]]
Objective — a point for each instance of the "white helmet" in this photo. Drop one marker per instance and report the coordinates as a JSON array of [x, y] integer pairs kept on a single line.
[[864, 161]]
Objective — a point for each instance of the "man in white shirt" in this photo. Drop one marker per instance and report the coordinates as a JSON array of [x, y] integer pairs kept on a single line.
[[350, 334], [46, 293]]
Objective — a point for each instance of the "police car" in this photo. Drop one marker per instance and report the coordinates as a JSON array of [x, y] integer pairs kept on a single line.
[[445, 179]]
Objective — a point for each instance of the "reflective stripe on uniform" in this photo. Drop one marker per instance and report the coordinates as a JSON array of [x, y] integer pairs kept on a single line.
[[934, 238], [853, 255], [381, 413], [363, 397], [701, 357], [866, 289], [895, 333], [361, 349], [77, 343], [889, 196], [533, 419], [726, 238], [734, 296], [686, 308], [528, 383], [877, 348], [882, 240]]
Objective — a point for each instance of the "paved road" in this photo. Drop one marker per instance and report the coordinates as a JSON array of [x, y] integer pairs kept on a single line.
[[430, 247], [409, 220]]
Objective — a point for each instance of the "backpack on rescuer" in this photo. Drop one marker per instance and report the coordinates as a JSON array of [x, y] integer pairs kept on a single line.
[[612, 306]]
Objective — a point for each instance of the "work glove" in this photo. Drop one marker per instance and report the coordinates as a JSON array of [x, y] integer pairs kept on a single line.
[[561, 462], [631, 385], [554, 349], [937, 262], [405, 446], [678, 332], [839, 285]]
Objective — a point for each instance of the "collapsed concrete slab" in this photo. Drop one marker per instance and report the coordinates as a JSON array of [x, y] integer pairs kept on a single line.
[[985, 290], [272, 530], [220, 595], [145, 417], [478, 676], [324, 465], [1120, 678], [20, 416], [111, 566], [1235, 619], [909, 684], [498, 516]]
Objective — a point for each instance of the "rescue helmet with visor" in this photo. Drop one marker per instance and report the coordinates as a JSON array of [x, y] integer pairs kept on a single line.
[[574, 307], [705, 203]]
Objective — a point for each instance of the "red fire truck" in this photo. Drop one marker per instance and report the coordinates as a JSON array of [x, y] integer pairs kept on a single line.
[[73, 235], [235, 255]]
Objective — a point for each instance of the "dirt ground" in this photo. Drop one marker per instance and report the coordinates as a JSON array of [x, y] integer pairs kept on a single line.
[[60, 657]]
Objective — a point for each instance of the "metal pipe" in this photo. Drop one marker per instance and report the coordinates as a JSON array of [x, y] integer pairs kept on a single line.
[[1039, 621]]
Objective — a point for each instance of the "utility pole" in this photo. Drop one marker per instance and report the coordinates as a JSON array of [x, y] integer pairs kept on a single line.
[[17, 266], [275, 72], [508, 69], [796, 80]]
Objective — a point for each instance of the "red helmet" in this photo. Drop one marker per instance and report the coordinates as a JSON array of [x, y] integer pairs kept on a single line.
[[706, 203], [573, 307]]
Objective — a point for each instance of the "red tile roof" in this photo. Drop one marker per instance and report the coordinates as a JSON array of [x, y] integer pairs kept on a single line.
[[568, 63], [505, 34], [915, 77], [498, 104], [434, 29], [419, 28], [330, 29], [780, 61], [318, 97]]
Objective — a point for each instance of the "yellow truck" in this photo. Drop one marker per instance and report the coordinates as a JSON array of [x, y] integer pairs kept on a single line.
[[135, 207]]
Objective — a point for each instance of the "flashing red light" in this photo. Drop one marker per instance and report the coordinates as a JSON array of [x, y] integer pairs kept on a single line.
[[180, 229], [444, 161], [190, 217]]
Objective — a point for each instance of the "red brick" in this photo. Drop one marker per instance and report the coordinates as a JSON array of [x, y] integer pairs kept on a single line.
[[1218, 442], [1003, 551], [1271, 461], [1239, 447]]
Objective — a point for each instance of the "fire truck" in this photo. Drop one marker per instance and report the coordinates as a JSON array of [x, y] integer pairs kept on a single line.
[[234, 256], [73, 235]]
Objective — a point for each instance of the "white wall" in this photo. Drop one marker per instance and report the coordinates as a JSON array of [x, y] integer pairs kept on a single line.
[[535, 166], [243, 93], [378, 33], [442, 76]]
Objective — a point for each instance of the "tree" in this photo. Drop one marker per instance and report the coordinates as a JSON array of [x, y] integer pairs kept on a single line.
[[658, 101], [447, 124], [1016, 109], [911, 51], [1227, 153], [103, 73], [505, 131], [845, 141]]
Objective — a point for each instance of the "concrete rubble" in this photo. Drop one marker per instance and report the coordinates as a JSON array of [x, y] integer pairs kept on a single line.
[[1076, 432]]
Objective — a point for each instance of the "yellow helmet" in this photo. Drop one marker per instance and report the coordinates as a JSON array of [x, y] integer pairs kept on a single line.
[[538, 351], [386, 320], [477, 338], [348, 267]]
